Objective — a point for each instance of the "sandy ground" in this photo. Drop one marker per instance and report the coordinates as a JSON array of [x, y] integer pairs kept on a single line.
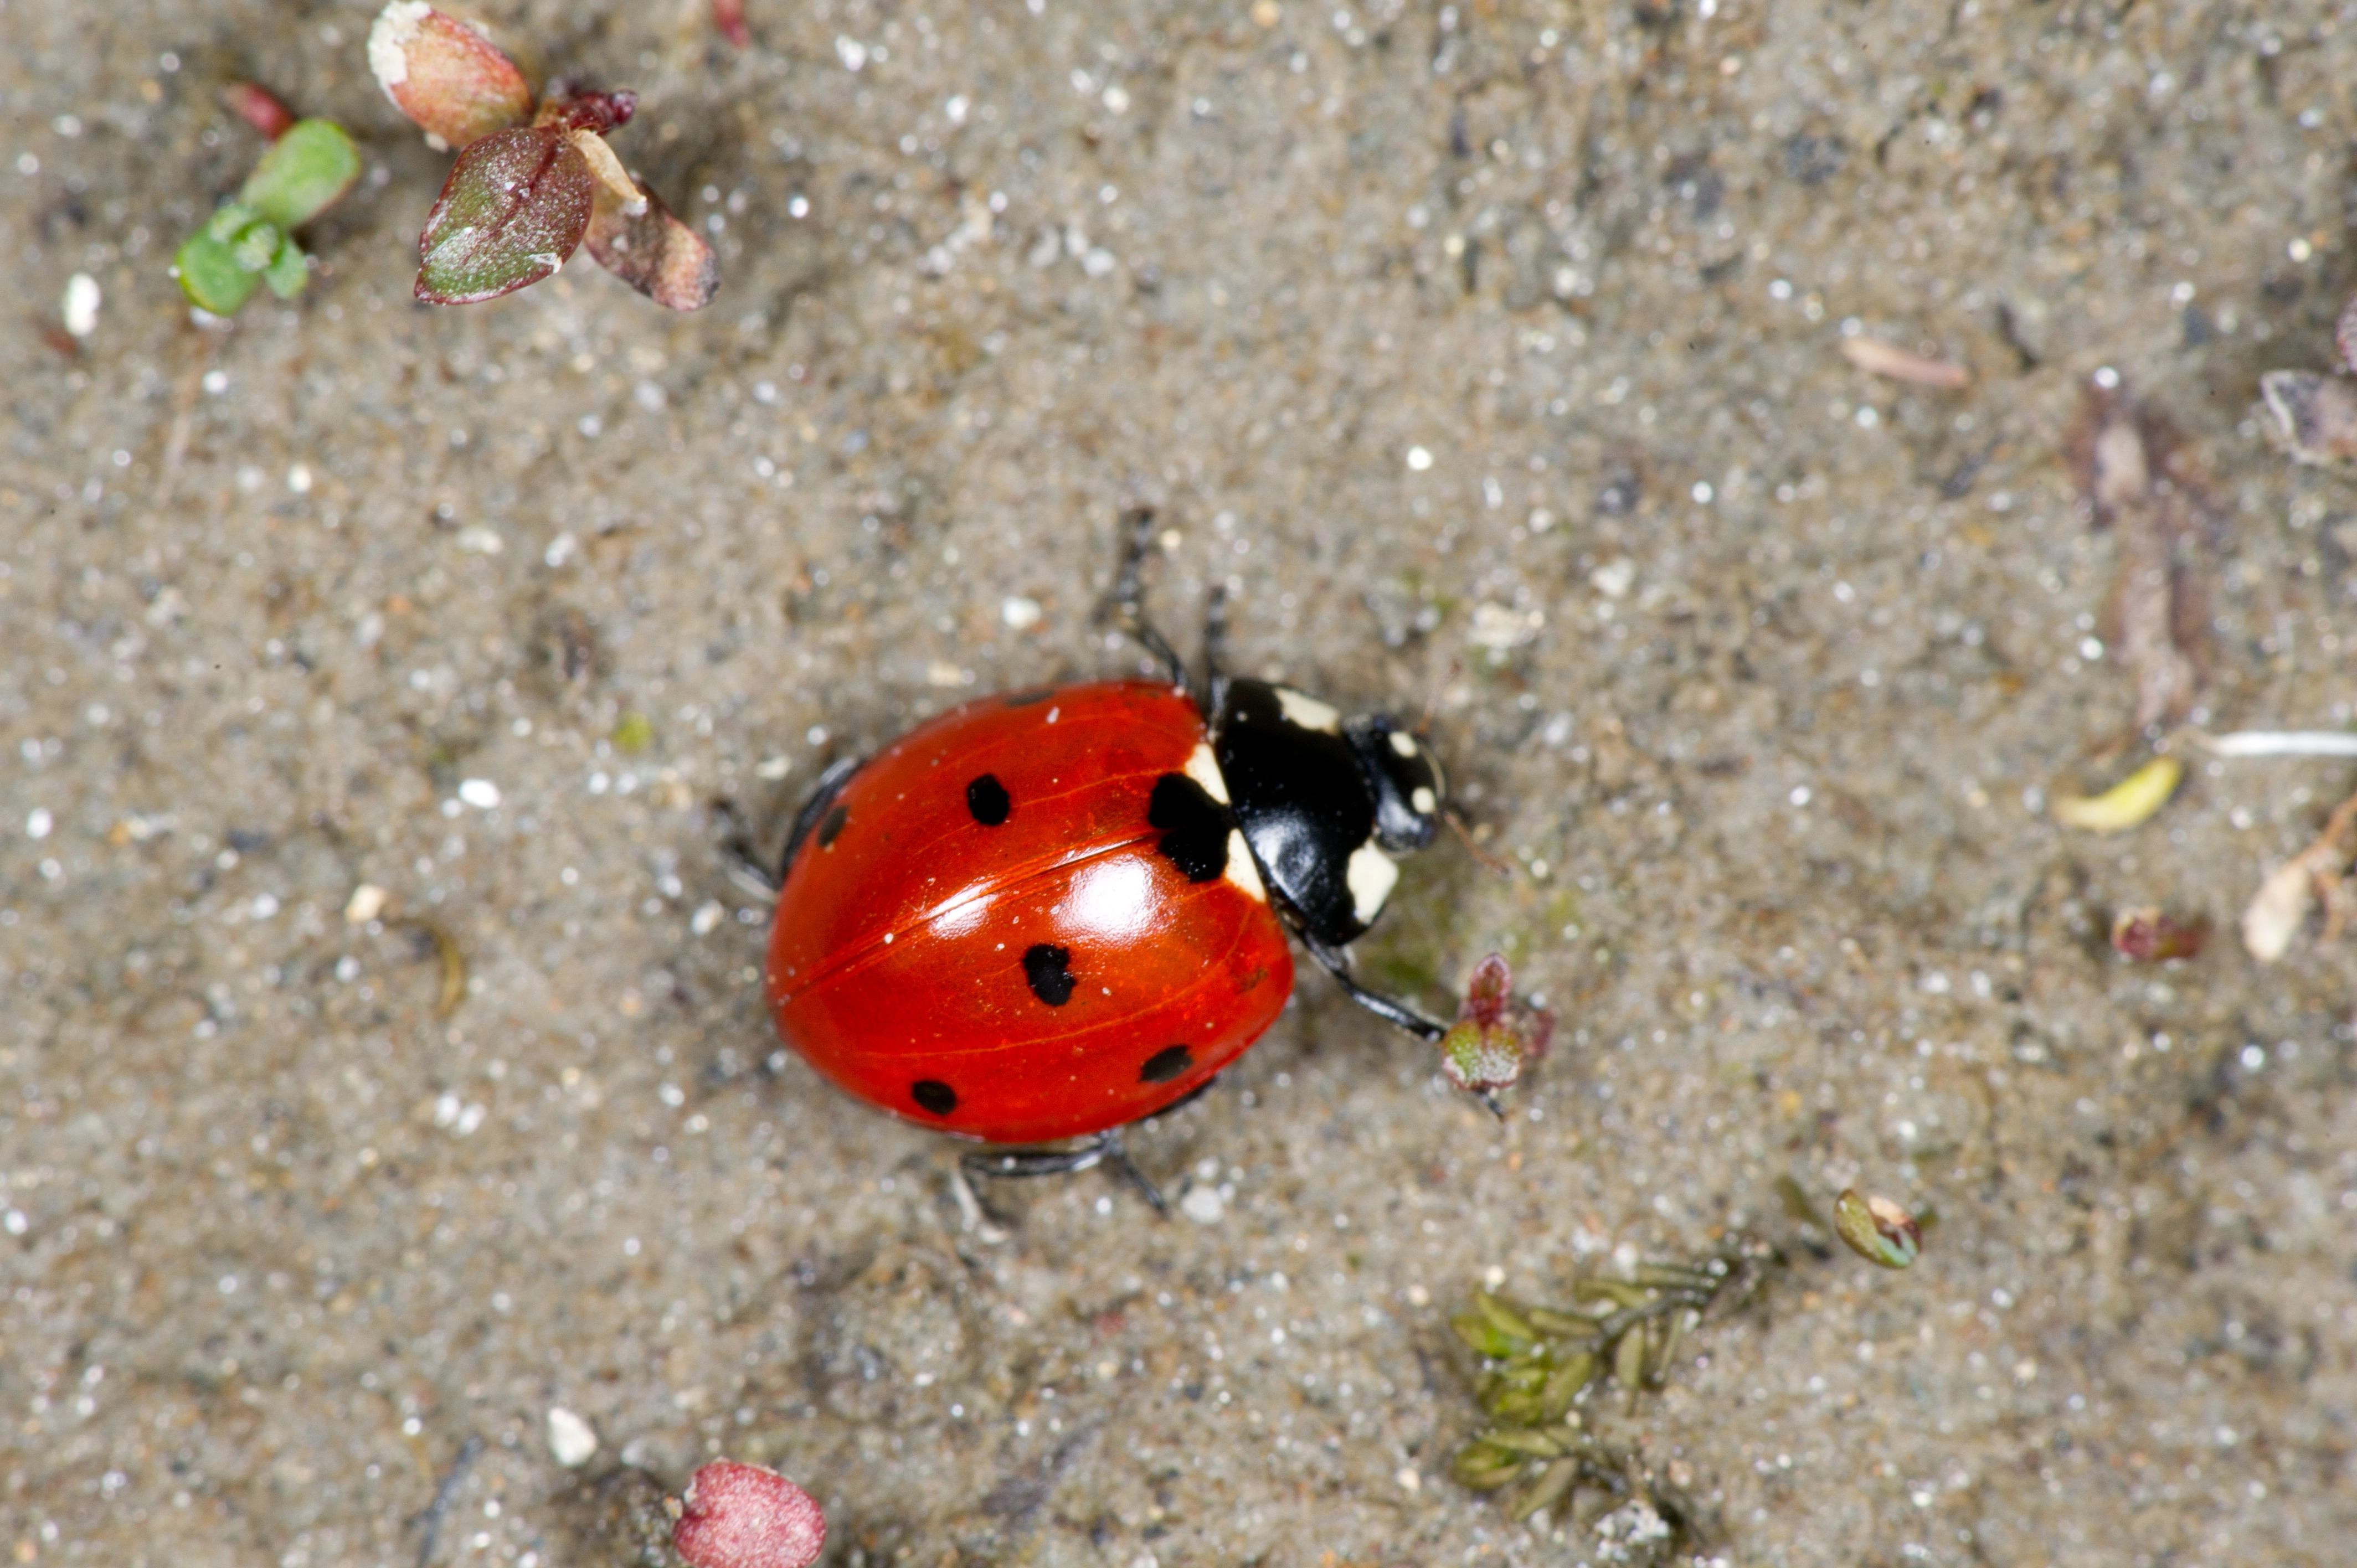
[[1489, 354]]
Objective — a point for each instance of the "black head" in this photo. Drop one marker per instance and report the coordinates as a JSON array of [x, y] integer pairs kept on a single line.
[[1323, 803]]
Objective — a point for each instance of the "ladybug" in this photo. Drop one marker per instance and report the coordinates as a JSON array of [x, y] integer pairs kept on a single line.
[[1047, 914]]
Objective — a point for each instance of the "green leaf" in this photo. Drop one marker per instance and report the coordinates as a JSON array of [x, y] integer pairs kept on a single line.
[[303, 173], [515, 208], [288, 271], [210, 275]]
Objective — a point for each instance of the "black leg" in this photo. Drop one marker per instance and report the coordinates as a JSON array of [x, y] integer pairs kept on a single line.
[[1126, 606], [1105, 1149], [830, 784], [738, 859], [1337, 963], [1215, 646]]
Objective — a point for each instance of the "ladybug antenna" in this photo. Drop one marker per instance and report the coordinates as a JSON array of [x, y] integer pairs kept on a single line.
[[1482, 857]]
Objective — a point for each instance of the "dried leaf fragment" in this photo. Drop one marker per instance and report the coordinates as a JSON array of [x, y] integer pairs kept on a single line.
[[1879, 358], [2135, 484], [652, 251], [2316, 416], [2125, 804], [1876, 1230], [448, 78], [2277, 912], [2151, 935], [2276, 915], [515, 208]]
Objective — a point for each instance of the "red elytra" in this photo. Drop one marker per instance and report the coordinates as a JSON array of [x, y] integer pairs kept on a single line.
[[988, 933]]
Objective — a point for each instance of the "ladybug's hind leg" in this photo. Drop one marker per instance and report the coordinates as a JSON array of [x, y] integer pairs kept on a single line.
[[1104, 1149]]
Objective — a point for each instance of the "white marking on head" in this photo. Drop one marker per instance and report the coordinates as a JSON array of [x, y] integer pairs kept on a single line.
[[1308, 713], [1240, 869], [1204, 769], [1369, 875], [1402, 743], [1424, 801]]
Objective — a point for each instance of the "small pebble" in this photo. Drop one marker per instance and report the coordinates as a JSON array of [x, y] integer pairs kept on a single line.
[[1203, 1204], [571, 1439], [367, 902], [82, 302]]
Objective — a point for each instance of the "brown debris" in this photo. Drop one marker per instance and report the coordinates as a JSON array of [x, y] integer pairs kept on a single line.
[[2320, 871], [2316, 416], [2155, 936], [2126, 465], [1877, 358]]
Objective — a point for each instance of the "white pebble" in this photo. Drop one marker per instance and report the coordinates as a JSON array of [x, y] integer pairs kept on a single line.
[[479, 793], [571, 1439], [1203, 1204], [82, 301], [367, 902], [1418, 460], [706, 919], [38, 822], [1019, 613]]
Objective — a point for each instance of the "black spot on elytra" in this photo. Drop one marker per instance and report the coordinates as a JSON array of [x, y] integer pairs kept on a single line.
[[1165, 1064], [1048, 970], [831, 824], [986, 798], [1025, 699], [1194, 826], [932, 1095]]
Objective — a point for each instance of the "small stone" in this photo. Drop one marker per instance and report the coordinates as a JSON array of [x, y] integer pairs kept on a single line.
[[479, 793], [571, 1439], [1019, 613], [1203, 1204], [82, 302], [367, 902]]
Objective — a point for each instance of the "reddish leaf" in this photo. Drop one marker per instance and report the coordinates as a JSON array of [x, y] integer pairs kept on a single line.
[[653, 251], [513, 209], [258, 107], [741, 1516], [576, 108], [442, 74], [2154, 936]]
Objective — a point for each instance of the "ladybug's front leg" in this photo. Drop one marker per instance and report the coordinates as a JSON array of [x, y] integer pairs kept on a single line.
[[1126, 606], [1336, 962]]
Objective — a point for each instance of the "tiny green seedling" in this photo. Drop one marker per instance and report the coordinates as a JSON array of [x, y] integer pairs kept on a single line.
[[251, 241], [532, 185], [1495, 1034]]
